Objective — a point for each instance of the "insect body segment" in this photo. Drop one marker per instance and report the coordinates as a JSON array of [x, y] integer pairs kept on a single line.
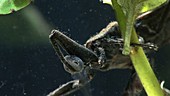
[[110, 43]]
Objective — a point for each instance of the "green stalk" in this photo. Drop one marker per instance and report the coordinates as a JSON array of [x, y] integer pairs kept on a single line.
[[121, 17], [144, 70], [138, 57]]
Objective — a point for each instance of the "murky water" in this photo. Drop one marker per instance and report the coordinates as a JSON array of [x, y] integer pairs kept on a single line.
[[28, 64]]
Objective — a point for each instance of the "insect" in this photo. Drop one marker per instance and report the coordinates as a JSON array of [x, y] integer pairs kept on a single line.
[[103, 51]]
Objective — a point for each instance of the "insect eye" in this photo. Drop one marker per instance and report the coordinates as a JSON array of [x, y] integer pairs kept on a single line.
[[76, 62]]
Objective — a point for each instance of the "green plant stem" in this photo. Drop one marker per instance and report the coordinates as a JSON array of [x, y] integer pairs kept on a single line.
[[138, 57], [120, 17], [144, 70]]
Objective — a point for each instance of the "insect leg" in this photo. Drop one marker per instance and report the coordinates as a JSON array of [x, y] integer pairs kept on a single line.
[[72, 47], [82, 76], [56, 47], [148, 45], [166, 91], [66, 89]]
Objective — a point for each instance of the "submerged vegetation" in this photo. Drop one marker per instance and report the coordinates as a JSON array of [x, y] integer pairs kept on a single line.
[[126, 13], [9, 6]]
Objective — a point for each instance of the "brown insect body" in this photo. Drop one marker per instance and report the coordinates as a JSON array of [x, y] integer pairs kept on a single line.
[[110, 40]]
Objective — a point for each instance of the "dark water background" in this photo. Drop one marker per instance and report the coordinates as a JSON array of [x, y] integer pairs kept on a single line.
[[28, 64]]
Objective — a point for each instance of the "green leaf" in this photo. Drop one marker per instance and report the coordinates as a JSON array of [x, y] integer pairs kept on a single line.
[[107, 2], [8, 6], [151, 4], [148, 4], [131, 9], [126, 11]]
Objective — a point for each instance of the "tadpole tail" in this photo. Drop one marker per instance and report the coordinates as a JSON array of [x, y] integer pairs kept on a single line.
[[72, 47]]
